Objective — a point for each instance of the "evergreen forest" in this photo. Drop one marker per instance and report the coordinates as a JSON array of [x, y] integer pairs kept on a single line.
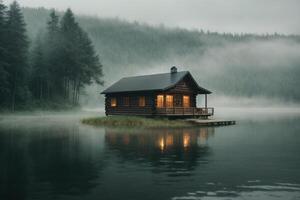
[[49, 71]]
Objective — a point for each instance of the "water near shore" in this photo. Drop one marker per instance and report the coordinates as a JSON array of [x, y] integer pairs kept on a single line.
[[54, 156]]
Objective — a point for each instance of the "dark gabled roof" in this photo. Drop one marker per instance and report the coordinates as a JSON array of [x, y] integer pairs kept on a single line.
[[154, 82]]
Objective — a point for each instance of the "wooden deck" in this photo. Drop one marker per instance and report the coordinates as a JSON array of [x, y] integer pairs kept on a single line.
[[182, 111], [211, 122]]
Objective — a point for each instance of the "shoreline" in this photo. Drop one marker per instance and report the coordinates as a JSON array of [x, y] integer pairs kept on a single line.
[[134, 121]]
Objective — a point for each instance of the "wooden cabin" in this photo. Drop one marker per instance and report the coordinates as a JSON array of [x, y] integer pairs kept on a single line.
[[167, 94]]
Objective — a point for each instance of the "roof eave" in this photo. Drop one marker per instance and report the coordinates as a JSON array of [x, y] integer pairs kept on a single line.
[[205, 92], [132, 91]]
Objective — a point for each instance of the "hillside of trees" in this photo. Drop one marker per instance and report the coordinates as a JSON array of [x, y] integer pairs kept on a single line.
[[238, 65], [235, 65], [49, 71]]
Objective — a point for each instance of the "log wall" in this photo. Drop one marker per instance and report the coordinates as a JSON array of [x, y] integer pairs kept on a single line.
[[133, 108]]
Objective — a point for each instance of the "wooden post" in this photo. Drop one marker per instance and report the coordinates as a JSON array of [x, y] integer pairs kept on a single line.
[[205, 100]]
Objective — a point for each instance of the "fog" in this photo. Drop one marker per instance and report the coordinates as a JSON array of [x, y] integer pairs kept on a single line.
[[235, 16], [216, 60], [55, 120], [253, 73]]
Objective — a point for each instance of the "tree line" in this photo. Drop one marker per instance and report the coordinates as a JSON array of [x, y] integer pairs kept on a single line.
[[132, 48], [51, 71]]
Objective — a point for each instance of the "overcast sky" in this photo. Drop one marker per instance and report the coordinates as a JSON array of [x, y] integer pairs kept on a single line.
[[255, 16]]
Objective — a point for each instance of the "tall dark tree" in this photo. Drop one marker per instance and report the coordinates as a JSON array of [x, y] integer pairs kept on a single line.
[[53, 26], [89, 65], [80, 65], [39, 74], [70, 51], [2, 31], [3, 65], [53, 58], [17, 46]]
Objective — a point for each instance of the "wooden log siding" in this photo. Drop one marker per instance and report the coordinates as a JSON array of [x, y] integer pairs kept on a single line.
[[184, 86], [133, 108], [178, 100]]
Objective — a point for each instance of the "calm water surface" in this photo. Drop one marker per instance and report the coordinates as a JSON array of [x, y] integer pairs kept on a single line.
[[56, 157]]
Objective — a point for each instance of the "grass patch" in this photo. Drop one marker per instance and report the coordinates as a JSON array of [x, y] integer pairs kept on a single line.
[[125, 121]]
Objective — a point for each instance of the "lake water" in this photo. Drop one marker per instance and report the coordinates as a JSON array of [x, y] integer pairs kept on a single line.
[[53, 156]]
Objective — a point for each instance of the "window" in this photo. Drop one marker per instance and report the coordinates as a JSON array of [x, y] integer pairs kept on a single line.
[[186, 101], [169, 101], [160, 101], [113, 102], [142, 101], [126, 101]]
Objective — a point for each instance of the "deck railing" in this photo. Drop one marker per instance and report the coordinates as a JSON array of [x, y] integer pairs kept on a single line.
[[185, 111]]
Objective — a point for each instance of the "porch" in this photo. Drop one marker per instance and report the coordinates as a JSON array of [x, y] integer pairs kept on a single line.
[[185, 111]]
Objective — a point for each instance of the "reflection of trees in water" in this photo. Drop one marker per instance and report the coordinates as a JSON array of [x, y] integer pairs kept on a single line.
[[176, 151], [13, 167], [52, 160]]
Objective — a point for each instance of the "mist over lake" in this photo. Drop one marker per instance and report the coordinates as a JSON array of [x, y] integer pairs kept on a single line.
[[52, 155]]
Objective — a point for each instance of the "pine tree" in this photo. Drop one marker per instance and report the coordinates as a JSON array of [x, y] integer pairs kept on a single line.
[[3, 73], [17, 47], [90, 66], [53, 26], [39, 73], [52, 58], [81, 65], [69, 34], [2, 31]]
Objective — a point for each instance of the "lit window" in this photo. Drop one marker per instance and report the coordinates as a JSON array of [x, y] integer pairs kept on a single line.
[[186, 101], [113, 102], [169, 101], [160, 101], [142, 101], [126, 101]]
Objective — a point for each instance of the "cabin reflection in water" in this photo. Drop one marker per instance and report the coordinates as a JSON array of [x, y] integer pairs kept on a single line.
[[162, 139], [173, 148]]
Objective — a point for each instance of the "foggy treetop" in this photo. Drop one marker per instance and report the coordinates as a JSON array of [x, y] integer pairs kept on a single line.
[[235, 16], [244, 65]]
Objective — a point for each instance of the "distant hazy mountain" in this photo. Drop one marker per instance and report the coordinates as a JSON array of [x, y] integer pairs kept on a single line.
[[242, 65]]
